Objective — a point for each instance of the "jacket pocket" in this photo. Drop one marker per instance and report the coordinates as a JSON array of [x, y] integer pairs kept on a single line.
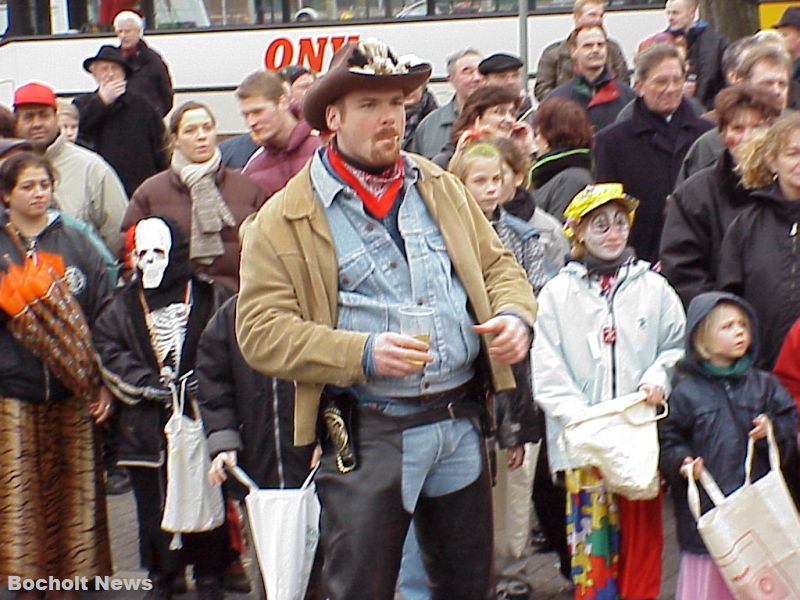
[[362, 304]]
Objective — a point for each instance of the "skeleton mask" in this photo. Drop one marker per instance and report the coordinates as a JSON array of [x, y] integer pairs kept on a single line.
[[152, 243]]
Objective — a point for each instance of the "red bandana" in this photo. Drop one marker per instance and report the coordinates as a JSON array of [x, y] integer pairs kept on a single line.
[[377, 192]]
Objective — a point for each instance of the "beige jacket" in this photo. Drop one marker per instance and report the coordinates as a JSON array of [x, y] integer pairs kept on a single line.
[[286, 310]]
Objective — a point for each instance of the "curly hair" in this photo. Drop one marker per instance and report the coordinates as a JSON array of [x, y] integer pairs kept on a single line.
[[764, 147]]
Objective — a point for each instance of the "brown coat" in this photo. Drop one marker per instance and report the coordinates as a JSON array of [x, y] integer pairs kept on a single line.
[[286, 309], [164, 195]]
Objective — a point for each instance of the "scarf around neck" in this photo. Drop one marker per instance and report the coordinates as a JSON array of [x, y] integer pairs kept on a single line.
[[209, 211], [377, 191], [597, 266]]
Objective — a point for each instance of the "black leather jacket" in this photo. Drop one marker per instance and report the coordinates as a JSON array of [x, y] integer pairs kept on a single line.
[[132, 374], [22, 375]]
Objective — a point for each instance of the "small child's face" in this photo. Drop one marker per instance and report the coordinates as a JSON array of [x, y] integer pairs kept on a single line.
[[68, 126], [728, 338], [484, 180]]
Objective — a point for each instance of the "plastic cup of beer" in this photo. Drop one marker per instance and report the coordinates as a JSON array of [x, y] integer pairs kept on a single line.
[[416, 321]]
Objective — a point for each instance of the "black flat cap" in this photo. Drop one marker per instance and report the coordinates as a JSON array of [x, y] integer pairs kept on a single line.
[[497, 63]]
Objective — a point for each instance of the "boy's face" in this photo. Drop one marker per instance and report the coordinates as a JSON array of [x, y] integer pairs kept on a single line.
[[729, 337]]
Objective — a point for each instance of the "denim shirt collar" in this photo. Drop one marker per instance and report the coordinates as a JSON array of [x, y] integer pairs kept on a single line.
[[327, 185]]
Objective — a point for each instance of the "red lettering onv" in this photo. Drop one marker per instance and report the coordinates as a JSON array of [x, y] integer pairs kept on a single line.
[[338, 41], [282, 46], [309, 56]]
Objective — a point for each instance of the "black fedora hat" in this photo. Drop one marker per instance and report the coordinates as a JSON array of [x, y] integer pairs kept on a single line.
[[109, 53], [363, 65]]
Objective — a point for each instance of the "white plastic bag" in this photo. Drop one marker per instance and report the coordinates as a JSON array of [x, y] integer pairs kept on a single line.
[[753, 534], [285, 528], [620, 438], [192, 504]]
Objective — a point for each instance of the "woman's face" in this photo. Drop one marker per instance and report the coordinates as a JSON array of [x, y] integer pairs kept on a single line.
[[740, 127], [786, 165], [498, 119], [604, 231], [31, 197], [484, 180], [196, 137]]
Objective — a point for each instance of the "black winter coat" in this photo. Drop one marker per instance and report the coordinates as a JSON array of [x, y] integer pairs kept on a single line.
[[760, 261], [131, 372], [699, 212], [644, 153], [128, 133], [246, 411], [22, 375], [710, 417], [557, 176], [150, 78], [704, 56]]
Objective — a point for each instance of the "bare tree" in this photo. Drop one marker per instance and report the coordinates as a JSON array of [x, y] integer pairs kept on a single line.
[[732, 18]]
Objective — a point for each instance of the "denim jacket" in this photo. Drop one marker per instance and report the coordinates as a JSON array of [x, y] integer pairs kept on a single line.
[[376, 279]]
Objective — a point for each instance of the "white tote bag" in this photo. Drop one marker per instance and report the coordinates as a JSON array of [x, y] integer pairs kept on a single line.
[[192, 503], [753, 534], [285, 528], [620, 438]]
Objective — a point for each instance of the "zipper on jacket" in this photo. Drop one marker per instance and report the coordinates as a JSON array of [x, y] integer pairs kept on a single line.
[[793, 237], [277, 430], [617, 284]]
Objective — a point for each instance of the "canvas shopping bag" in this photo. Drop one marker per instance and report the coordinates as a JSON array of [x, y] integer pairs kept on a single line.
[[285, 528], [620, 438], [753, 534], [192, 504]]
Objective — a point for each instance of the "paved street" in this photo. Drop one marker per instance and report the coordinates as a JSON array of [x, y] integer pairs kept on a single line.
[[548, 584]]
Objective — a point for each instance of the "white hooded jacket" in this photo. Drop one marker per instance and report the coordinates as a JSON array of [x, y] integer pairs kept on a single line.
[[574, 367]]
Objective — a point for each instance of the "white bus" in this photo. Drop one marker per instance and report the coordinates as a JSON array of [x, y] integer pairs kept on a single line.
[[207, 63]]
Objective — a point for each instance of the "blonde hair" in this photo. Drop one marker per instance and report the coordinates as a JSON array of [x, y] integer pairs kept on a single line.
[[466, 156], [67, 109], [763, 147], [710, 324], [577, 7]]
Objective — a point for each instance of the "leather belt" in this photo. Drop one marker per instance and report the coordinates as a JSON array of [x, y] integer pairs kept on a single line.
[[466, 391]]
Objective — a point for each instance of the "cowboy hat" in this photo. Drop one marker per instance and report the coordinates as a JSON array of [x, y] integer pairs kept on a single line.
[[363, 65]]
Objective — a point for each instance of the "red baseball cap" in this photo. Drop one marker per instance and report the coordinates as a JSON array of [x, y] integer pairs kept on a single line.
[[34, 93]]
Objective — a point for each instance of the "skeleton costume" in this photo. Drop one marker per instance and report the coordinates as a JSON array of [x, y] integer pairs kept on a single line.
[[147, 340]]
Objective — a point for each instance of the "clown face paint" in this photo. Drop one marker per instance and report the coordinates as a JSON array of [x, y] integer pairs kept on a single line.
[[152, 243]]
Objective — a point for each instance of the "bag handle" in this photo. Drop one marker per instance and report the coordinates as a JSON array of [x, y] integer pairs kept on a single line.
[[774, 453], [310, 477], [617, 411], [242, 477], [693, 494], [655, 419]]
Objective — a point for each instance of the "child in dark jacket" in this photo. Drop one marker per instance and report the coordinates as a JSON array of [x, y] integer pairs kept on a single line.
[[719, 401]]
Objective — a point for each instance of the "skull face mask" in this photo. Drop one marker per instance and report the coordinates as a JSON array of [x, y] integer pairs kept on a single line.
[[152, 244]]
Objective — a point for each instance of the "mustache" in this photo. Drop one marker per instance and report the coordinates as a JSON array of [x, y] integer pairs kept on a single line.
[[388, 134]]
